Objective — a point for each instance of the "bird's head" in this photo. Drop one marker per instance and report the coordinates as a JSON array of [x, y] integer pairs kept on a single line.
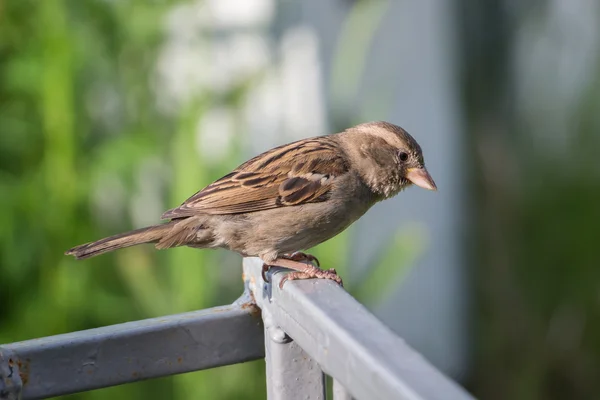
[[389, 159]]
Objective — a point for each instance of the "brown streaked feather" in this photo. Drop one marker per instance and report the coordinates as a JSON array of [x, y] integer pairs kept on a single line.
[[293, 174], [150, 234], [184, 232]]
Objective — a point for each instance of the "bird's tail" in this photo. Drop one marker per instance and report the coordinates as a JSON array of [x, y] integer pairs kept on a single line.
[[150, 234]]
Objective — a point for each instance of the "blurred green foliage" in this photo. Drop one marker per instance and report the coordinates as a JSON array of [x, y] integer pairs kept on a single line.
[[71, 169], [80, 138]]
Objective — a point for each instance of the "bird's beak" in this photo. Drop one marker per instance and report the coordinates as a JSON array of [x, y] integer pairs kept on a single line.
[[421, 178]]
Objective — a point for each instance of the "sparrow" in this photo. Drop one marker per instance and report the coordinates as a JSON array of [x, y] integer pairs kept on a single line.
[[287, 199]]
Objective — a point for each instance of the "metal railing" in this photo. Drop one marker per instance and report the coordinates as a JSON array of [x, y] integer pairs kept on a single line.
[[332, 334]]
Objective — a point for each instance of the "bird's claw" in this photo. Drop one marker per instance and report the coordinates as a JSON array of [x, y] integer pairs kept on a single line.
[[312, 272]]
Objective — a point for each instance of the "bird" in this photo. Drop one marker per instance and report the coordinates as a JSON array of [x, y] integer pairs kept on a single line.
[[288, 199]]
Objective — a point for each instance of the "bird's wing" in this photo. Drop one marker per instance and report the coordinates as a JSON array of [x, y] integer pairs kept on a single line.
[[293, 174]]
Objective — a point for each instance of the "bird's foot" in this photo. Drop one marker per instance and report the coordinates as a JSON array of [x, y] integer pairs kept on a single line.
[[301, 270], [297, 257], [311, 272], [302, 257]]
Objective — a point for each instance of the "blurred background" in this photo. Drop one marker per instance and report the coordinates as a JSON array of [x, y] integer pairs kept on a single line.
[[113, 111]]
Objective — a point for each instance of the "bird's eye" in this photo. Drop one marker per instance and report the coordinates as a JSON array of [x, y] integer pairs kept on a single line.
[[403, 156]]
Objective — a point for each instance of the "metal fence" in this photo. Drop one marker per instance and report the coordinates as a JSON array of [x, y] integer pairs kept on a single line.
[[332, 334]]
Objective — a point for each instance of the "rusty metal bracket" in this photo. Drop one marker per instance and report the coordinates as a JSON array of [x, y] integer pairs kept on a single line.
[[11, 384]]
